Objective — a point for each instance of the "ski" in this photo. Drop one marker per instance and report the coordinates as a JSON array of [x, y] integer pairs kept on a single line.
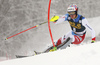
[[22, 56], [50, 49]]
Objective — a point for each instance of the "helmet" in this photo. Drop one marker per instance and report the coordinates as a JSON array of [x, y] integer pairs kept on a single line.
[[72, 8]]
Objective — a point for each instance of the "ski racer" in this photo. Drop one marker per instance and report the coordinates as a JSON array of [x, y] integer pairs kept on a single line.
[[78, 25]]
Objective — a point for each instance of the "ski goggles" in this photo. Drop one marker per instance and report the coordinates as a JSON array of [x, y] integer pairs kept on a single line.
[[71, 13]]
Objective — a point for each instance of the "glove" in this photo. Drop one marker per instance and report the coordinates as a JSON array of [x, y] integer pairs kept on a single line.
[[54, 18], [93, 40]]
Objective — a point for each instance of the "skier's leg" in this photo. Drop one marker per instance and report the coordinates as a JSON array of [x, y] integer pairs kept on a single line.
[[66, 39], [78, 39]]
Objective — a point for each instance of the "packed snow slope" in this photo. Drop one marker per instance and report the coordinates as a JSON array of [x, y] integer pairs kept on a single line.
[[88, 54]]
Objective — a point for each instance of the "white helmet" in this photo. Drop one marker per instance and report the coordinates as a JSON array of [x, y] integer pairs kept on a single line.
[[72, 8]]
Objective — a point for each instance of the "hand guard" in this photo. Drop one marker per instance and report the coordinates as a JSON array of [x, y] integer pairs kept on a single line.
[[54, 18]]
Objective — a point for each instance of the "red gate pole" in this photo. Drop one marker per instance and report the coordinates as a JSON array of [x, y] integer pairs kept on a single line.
[[49, 23]]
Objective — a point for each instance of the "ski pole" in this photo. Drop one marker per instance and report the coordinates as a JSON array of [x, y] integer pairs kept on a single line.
[[51, 20], [25, 30]]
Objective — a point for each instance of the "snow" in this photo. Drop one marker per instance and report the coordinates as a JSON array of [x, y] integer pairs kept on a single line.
[[88, 54]]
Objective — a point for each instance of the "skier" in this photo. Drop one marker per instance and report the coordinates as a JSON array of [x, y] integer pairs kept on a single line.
[[78, 24]]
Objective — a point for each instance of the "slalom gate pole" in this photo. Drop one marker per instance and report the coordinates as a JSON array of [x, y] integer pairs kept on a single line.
[[49, 23], [25, 30]]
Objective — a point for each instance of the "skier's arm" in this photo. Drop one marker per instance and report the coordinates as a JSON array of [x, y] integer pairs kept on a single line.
[[60, 20], [86, 24]]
